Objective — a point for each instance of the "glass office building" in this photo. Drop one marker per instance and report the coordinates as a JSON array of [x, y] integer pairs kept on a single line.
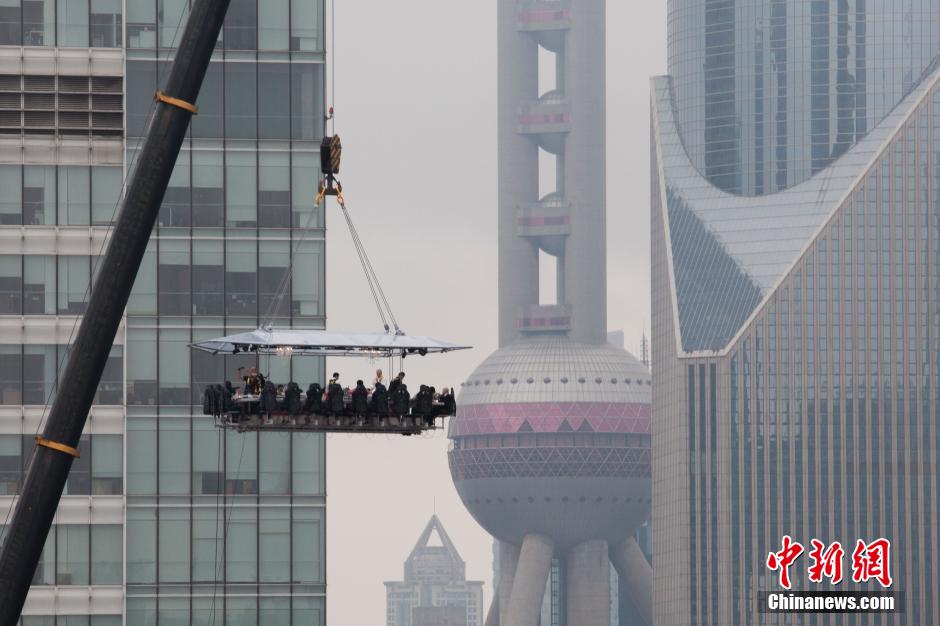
[[165, 519], [795, 302], [769, 92]]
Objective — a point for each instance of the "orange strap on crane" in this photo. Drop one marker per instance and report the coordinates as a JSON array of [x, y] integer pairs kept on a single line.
[[60, 447], [182, 104]]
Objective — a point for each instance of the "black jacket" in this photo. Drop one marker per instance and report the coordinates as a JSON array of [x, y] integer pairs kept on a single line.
[[379, 402]]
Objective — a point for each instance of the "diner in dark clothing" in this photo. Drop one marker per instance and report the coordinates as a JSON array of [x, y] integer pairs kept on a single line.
[[262, 399]]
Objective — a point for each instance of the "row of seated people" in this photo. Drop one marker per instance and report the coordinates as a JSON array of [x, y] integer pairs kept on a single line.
[[334, 401]]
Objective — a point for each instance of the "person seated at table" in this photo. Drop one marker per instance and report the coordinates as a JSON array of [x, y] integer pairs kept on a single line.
[[292, 398], [268, 398], [228, 399], [334, 397], [401, 400], [241, 376], [313, 405], [281, 404], [359, 403], [392, 386], [378, 404], [208, 401], [254, 382], [448, 402], [424, 405]]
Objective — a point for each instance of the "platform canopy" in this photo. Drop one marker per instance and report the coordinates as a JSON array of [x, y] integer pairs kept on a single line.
[[321, 342]]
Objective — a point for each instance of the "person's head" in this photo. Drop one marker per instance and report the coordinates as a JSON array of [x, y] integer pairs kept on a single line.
[[433, 390], [444, 391], [253, 371], [335, 375], [241, 370], [359, 383], [378, 373], [280, 387], [401, 375]]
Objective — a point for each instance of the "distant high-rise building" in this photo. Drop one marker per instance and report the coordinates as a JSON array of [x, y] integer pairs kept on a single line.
[[796, 315], [165, 519], [435, 590], [551, 439]]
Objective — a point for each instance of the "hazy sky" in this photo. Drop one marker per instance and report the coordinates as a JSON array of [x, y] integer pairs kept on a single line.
[[416, 109]]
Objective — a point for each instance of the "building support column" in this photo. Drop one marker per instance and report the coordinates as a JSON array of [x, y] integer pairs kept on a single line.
[[506, 567], [636, 575], [528, 587], [588, 581]]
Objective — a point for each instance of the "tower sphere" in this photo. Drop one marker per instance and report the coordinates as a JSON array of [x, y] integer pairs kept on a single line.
[[553, 436]]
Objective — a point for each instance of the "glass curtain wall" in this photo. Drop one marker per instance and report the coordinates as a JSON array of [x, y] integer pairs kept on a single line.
[[227, 526], [218, 526]]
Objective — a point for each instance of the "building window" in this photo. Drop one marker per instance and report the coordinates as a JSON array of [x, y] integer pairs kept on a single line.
[[11, 285], [105, 20], [11, 201], [72, 23]]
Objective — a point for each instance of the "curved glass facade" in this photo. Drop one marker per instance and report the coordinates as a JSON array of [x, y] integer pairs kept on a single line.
[[795, 342], [769, 92], [729, 252]]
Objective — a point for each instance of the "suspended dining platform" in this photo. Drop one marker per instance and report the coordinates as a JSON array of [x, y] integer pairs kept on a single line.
[[287, 408]]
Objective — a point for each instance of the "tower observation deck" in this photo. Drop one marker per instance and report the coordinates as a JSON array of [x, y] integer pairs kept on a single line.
[[551, 441]]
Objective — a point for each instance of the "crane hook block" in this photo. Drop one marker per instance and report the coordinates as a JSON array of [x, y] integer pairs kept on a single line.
[[331, 151]]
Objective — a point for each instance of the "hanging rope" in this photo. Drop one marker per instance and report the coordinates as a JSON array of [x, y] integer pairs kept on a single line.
[[332, 187], [371, 276]]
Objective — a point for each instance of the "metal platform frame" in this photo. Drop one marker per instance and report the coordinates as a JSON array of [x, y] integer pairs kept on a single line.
[[283, 422]]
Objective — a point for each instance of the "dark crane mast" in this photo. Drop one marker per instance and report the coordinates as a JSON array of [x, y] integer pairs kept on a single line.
[[57, 447]]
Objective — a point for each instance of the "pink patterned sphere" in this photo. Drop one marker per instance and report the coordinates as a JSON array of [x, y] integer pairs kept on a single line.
[[553, 436]]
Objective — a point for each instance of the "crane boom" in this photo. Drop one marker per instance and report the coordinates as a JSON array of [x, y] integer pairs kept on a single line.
[[57, 447]]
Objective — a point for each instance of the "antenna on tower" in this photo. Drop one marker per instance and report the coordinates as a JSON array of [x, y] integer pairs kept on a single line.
[[645, 351]]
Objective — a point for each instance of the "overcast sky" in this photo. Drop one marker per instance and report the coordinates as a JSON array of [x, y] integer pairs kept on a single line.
[[416, 109]]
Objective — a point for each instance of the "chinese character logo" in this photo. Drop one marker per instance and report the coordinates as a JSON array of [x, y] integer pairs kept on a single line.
[[782, 560], [869, 561], [872, 560], [827, 562]]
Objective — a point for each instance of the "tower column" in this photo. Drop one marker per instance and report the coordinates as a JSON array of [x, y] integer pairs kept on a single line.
[[518, 164], [492, 616], [535, 564], [508, 561], [588, 581], [584, 174], [636, 575]]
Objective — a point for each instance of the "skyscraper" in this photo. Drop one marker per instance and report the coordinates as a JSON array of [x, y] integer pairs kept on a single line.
[[551, 439], [165, 519], [795, 211], [434, 590]]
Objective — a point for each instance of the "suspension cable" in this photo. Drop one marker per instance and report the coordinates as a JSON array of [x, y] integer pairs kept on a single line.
[[375, 286], [367, 266]]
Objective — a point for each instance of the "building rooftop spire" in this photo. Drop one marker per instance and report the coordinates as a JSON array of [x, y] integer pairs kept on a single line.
[[428, 560]]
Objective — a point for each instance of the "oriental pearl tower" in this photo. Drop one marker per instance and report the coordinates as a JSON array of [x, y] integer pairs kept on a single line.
[[551, 441]]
